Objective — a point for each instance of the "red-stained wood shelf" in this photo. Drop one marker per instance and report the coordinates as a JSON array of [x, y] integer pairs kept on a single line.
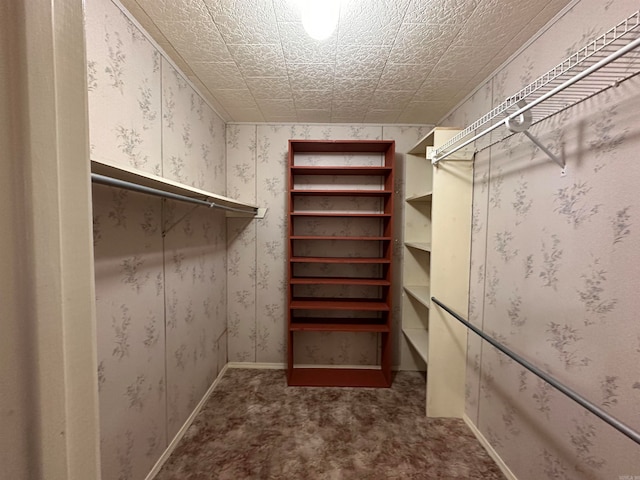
[[376, 282], [340, 260], [340, 214], [342, 193], [363, 305], [362, 171], [333, 325], [339, 238], [341, 146]]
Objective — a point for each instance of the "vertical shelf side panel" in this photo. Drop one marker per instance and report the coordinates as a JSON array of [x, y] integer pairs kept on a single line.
[[289, 263], [450, 259], [386, 351]]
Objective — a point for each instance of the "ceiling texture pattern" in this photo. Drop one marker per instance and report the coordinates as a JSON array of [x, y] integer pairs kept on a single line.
[[388, 61]]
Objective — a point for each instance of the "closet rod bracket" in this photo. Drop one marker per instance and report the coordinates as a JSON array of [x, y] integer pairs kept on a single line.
[[261, 212], [520, 124], [174, 224]]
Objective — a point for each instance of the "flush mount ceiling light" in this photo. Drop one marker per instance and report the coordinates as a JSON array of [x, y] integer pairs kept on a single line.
[[320, 17]]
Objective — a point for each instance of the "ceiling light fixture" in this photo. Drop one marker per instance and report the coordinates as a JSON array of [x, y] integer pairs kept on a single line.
[[320, 17]]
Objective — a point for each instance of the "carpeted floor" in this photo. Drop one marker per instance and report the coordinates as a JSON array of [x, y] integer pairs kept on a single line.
[[255, 427]]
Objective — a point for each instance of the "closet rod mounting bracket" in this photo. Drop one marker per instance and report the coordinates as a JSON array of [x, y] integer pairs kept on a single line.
[[520, 124], [260, 213]]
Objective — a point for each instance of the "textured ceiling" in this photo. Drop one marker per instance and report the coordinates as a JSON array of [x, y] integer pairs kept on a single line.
[[389, 61]]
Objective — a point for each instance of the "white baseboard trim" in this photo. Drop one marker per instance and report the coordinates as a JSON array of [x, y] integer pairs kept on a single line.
[[174, 443], [262, 366], [490, 450]]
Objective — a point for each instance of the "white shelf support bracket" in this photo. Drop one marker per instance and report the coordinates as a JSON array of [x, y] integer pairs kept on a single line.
[[549, 153], [521, 124]]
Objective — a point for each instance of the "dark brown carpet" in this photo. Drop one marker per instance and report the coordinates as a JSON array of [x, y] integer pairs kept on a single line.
[[255, 427]]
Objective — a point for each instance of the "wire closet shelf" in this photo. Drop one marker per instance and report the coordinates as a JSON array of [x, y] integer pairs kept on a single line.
[[603, 63]]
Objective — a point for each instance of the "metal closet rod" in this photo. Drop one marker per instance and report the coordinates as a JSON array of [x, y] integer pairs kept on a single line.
[[114, 182], [614, 422]]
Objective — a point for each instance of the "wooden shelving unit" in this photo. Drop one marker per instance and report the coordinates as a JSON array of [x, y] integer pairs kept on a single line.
[[418, 238], [340, 240]]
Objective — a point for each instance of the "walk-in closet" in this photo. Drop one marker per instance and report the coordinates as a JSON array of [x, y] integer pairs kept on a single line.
[[240, 246]]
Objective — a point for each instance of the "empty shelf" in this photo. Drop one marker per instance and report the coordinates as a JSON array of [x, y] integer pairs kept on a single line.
[[420, 198], [419, 245], [330, 237], [419, 339], [338, 304], [373, 325], [343, 193], [339, 281], [419, 293], [341, 214], [339, 260], [341, 146]]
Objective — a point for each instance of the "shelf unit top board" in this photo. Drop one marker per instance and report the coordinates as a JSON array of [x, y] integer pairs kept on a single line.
[[340, 146], [132, 175], [420, 148]]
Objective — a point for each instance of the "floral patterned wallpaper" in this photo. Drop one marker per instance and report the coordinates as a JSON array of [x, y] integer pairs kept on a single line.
[[257, 172], [554, 269], [172, 280], [160, 265], [131, 331], [553, 257], [123, 65]]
